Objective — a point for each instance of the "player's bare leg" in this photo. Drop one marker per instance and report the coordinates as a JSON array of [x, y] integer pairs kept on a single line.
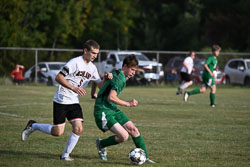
[[72, 140]]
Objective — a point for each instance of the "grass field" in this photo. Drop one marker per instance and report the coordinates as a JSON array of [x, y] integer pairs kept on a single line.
[[176, 133]]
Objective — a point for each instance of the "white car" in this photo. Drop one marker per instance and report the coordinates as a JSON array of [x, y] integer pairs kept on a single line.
[[48, 72], [237, 71]]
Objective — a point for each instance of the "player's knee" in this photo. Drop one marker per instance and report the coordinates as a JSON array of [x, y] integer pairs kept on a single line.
[[202, 90], [57, 131], [134, 132], [78, 130]]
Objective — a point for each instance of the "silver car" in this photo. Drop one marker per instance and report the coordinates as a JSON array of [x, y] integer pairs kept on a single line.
[[237, 71], [46, 72]]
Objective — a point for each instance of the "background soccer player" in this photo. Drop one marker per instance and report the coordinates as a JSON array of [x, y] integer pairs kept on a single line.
[[109, 117], [72, 79], [208, 77], [186, 70]]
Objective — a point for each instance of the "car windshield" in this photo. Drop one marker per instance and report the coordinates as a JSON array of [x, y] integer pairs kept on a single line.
[[140, 57], [248, 64], [55, 66]]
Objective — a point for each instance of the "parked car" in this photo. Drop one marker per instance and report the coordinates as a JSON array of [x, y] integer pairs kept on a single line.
[[237, 71], [173, 67], [48, 72], [152, 70]]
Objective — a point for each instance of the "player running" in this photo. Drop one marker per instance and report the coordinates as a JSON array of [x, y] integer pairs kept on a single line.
[[186, 70], [207, 77], [72, 79], [109, 117]]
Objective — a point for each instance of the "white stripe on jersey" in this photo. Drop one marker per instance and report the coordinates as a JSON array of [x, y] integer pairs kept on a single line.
[[80, 74]]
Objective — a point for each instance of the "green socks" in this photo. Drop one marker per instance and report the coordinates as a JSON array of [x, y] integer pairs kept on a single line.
[[195, 91], [108, 142], [212, 98], [139, 143]]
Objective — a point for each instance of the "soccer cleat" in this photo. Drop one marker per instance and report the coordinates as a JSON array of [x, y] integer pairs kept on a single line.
[[186, 96], [213, 105], [27, 130], [66, 158], [150, 161], [101, 151]]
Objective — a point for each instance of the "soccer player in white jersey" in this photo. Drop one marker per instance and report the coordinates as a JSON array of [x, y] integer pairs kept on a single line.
[[72, 79], [186, 70]]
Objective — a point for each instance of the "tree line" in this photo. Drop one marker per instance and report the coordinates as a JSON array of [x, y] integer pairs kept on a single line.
[[121, 24]]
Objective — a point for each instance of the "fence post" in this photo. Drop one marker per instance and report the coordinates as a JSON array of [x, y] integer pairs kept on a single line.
[[157, 69], [36, 57]]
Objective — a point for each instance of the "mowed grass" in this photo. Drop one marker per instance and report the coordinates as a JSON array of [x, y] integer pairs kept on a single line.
[[176, 133]]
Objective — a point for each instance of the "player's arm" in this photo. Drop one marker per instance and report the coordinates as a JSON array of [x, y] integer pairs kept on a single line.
[[115, 99], [106, 76], [62, 81], [20, 66], [206, 67], [99, 84], [93, 90]]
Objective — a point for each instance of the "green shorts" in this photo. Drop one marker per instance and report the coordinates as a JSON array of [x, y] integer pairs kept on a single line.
[[107, 118], [208, 81]]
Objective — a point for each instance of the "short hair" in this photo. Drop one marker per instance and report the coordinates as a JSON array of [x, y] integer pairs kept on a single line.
[[216, 48], [91, 44], [130, 61]]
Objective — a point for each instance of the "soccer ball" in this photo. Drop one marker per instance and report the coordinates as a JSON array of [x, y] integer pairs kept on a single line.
[[137, 156]]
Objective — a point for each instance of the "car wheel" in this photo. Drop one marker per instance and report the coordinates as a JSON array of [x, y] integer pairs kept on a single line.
[[227, 80], [247, 81], [50, 82]]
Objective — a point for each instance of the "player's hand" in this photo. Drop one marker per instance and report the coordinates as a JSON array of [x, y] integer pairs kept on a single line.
[[133, 103], [79, 91], [94, 96], [108, 76]]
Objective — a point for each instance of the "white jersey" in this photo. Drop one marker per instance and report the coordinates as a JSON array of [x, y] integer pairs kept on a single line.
[[190, 63], [77, 73]]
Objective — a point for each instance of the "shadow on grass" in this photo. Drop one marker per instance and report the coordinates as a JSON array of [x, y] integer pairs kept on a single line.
[[32, 154], [51, 156]]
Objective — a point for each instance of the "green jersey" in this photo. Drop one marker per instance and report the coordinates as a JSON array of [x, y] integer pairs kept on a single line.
[[118, 82], [211, 62]]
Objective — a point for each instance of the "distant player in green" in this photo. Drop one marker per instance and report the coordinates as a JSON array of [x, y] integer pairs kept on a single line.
[[109, 117], [207, 77]]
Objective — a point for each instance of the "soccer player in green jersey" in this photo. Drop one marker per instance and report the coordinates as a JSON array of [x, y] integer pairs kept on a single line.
[[109, 117], [207, 77]]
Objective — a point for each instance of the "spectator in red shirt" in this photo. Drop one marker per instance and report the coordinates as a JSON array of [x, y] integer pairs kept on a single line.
[[17, 74]]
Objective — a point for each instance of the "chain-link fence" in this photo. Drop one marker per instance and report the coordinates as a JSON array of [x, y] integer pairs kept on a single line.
[[10, 56]]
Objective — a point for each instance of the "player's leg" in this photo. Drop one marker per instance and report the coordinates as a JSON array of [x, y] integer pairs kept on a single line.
[[72, 140], [74, 115], [212, 95], [121, 135], [107, 121], [137, 138], [56, 130], [179, 91]]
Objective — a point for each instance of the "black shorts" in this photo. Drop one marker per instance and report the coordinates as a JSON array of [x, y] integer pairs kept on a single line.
[[70, 111], [185, 77]]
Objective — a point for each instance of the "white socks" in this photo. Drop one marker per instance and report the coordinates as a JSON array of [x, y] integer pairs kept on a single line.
[[184, 86], [71, 143], [45, 128]]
